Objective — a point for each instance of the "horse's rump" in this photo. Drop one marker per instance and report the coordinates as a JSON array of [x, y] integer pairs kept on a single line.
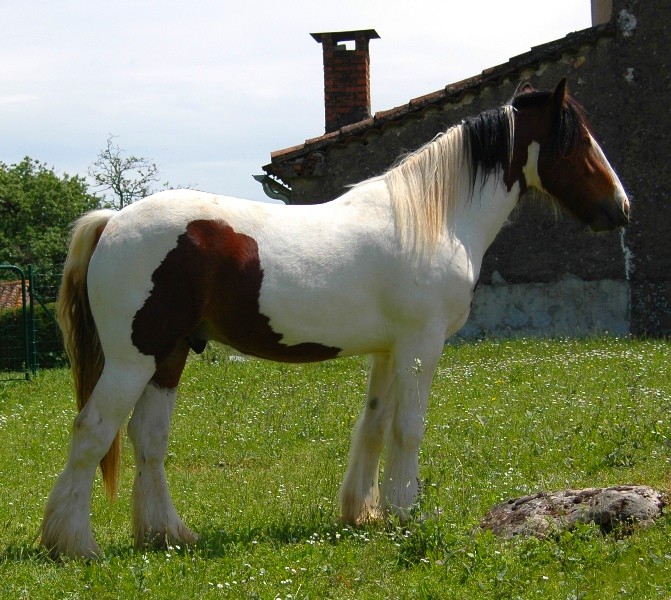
[[79, 330]]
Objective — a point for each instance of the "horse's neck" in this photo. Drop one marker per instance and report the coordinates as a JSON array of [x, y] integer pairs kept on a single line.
[[481, 216]]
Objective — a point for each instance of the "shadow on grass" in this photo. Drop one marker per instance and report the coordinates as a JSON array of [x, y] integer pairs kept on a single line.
[[23, 553], [219, 540], [279, 533], [212, 541]]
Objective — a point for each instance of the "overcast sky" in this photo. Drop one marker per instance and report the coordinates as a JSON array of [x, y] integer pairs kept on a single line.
[[208, 88]]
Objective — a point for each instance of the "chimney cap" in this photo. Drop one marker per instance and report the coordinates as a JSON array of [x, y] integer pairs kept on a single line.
[[344, 36]]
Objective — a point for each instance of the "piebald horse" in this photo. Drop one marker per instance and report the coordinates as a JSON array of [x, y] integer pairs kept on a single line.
[[388, 270]]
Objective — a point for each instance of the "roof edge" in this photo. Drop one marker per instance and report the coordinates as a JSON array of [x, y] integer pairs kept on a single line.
[[451, 93]]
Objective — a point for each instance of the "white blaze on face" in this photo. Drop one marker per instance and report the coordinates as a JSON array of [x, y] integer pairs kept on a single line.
[[530, 169], [620, 195]]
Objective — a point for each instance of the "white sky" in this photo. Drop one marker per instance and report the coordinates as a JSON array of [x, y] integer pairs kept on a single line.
[[208, 88]]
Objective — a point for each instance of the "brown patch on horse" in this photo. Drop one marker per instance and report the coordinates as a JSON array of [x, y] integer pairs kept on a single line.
[[533, 123], [208, 287], [570, 167], [169, 370]]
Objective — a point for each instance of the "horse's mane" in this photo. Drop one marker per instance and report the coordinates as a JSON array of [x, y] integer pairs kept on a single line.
[[424, 184]]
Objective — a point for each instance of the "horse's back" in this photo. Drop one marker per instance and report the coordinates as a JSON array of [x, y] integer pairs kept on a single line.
[[293, 283], [275, 281]]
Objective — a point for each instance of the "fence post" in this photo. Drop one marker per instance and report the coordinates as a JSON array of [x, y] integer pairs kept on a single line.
[[33, 335]]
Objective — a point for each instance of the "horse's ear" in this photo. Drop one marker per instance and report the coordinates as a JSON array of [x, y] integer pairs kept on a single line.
[[524, 88], [559, 97]]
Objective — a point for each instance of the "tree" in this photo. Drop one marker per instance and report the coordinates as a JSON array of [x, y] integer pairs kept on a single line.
[[37, 208], [127, 178]]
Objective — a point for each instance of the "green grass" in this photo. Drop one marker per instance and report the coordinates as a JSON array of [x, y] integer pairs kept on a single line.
[[258, 451]]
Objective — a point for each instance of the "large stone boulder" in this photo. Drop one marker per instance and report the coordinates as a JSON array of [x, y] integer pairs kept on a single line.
[[548, 513]]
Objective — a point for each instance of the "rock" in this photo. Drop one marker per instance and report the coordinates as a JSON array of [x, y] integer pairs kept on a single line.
[[545, 514]]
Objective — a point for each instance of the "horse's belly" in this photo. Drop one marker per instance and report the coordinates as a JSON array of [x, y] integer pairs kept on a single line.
[[262, 341]]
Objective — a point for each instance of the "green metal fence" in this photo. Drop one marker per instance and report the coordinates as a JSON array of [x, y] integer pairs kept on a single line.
[[29, 335], [16, 344]]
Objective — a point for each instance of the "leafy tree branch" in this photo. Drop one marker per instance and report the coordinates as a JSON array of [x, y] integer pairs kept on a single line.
[[123, 179]]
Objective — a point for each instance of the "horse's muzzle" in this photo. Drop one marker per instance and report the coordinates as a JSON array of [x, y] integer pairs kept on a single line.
[[611, 215]]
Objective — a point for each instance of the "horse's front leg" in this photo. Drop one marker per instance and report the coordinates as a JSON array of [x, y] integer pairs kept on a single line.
[[415, 366], [359, 495]]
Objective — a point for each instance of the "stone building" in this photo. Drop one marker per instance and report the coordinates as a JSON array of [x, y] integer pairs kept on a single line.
[[543, 274]]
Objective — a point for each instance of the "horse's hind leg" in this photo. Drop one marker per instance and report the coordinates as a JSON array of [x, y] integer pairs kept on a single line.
[[359, 495], [155, 520], [66, 528]]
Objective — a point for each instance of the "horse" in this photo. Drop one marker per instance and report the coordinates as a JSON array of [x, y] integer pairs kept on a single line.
[[386, 270]]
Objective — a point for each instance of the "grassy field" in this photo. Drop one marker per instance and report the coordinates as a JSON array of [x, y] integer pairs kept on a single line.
[[258, 451]]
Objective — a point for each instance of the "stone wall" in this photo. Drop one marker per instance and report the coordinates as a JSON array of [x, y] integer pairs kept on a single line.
[[642, 66]]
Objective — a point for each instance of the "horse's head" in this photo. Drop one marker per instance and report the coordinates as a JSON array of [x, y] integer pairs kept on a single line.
[[554, 152]]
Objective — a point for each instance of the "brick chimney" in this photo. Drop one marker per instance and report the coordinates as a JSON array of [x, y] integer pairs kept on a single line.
[[601, 11], [346, 76]]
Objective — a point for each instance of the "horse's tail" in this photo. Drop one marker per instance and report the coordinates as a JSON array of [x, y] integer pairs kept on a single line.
[[79, 329]]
